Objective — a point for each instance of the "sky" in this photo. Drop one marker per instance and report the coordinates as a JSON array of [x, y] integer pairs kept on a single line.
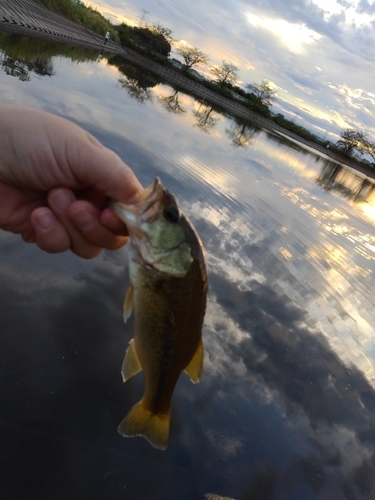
[[318, 54]]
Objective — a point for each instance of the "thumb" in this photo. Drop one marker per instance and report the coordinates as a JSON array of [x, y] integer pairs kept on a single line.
[[94, 165]]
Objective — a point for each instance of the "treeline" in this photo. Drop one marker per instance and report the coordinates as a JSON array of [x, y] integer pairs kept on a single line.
[[155, 41], [144, 39], [354, 144]]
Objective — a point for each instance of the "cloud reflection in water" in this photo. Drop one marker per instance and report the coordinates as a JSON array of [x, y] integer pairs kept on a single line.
[[286, 405]]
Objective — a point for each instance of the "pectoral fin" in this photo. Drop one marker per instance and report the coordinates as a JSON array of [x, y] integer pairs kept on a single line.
[[128, 303], [131, 365], [194, 368]]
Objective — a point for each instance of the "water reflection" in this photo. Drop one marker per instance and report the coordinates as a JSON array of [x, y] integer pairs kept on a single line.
[[206, 117], [172, 103], [22, 55], [137, 82], [271, 353], [335, 177], [286, 407], [241, 134]]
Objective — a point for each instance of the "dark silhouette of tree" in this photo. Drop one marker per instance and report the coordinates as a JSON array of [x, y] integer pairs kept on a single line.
[[144, 78], [351, 141], [159, 30], [147, 39], [368, 147], [41, 66], [171, 103], [334, 177], [134, 90], [206, 118], [263, 91], [241, 134], [17, 69], [192, 55], [225, 74], [20, 68]]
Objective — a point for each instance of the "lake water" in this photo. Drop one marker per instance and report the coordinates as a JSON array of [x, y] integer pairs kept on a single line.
[[286, 406]]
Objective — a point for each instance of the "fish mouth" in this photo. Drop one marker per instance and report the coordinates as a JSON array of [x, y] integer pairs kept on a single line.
[[145, 210]]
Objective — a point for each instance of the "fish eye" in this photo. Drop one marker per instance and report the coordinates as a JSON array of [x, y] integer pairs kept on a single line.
[[171, 214]]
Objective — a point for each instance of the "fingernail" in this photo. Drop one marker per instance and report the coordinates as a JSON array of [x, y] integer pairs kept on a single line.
[[45, 221], [84, 219], [61, 200]]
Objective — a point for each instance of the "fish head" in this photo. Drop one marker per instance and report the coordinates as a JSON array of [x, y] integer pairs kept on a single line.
[[162, 236]]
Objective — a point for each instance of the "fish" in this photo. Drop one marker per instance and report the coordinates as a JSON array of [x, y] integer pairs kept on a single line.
[[168, 293]]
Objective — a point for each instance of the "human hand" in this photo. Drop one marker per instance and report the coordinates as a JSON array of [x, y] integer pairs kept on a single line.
[[54, 181]]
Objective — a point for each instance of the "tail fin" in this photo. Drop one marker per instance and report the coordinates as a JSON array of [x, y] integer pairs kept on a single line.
[[141, 422]]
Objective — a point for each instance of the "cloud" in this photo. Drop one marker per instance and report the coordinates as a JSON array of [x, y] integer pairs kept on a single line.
[[365, 7]]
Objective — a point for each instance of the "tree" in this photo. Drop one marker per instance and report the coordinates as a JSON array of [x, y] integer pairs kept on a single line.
[[368, 147], [192, 55], [150, 40], [263, 91], [227, 73], [160, 30], [351, 141]]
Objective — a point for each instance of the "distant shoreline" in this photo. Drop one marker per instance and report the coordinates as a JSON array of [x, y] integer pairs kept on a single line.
[[36, 21]]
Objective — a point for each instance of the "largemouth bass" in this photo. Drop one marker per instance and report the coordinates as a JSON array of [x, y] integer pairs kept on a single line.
[[168, 295]]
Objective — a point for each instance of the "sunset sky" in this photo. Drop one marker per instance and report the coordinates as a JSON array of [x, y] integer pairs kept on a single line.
[[318, 54]]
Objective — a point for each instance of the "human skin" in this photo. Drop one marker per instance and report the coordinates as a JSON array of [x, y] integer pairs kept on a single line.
[[54, 181]]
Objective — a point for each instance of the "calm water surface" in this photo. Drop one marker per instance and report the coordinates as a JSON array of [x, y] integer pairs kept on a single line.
[[286, 405]]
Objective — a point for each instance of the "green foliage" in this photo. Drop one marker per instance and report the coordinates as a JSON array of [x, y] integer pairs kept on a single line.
[[30, 49], [256, 104], [78, 11], [24, 55], [123, 34], [143, 39]]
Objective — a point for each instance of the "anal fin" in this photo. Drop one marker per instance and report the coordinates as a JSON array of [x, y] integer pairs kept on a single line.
[[131, 365], [194, 368]]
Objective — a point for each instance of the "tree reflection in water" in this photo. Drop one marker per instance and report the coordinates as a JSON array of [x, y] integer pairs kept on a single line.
[[134, 90], [22, 55], [171, 103], [206, 118], [137, 81], [241, 134], [335, 177]]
